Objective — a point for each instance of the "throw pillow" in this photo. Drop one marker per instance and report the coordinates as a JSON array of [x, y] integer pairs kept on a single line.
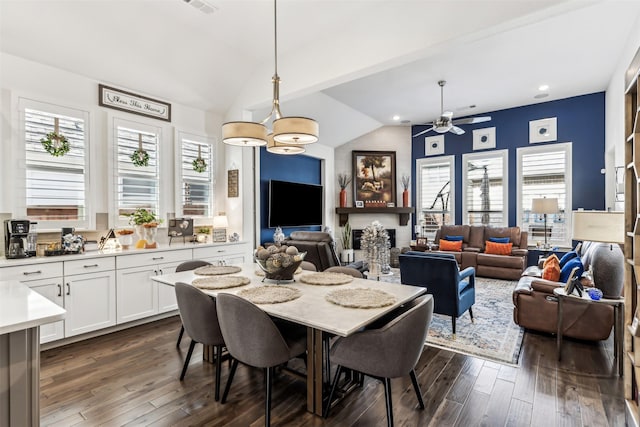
[[446, 245], [566, 257], [565, 272], [497, 248], [453, 238], [553, 258], [551, 269], [499, 239]]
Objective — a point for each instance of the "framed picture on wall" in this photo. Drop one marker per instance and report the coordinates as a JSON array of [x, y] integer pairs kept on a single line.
[[543, 130], [434, 145], [484, 139], [374, 176]]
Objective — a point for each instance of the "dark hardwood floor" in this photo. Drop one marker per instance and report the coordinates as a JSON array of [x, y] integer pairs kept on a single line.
[[131, 378]]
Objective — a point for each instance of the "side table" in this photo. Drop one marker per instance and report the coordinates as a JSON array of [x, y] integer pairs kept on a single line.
[[618, 319]]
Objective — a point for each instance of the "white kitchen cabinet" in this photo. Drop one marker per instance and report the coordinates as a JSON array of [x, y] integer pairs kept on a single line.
[[90, 300], [52, 289], [224, 254]]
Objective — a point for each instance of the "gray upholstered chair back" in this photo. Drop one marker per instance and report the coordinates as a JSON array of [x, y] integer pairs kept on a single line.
[[250, 334], [191, 265], [309, 266], [346, 270], [391, 351], [199, 315]]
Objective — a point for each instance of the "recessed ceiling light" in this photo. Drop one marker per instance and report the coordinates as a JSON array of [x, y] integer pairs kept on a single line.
[[542, 88], [396, 118]]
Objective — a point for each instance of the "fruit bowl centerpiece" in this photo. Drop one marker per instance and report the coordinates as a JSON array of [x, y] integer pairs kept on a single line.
[[279, 262]]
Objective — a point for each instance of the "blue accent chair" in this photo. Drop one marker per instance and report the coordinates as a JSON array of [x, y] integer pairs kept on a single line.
[[453, 290]]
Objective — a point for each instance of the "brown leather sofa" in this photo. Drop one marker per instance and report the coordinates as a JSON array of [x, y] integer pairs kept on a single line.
[[509, 267], [318, 245]]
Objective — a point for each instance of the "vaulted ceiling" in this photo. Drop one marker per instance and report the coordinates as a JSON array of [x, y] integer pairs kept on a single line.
[[350, 64]]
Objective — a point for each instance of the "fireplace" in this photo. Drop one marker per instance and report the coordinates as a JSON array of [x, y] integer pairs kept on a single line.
[[357, 233]]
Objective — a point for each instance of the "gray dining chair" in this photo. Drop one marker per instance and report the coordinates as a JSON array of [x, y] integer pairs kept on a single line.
[[254, 339], [345, 270], [200, 319], [186, 266], [392, 351], [309, 266]]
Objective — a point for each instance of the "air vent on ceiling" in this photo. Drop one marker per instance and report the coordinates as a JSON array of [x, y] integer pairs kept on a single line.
[[202, 6]]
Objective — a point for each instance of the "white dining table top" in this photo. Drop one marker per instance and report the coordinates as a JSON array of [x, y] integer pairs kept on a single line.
[[312, 309]]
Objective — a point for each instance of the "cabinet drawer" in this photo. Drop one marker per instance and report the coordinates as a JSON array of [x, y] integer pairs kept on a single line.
[[153, 258], [24, 273], [92, 265], [219, 251]]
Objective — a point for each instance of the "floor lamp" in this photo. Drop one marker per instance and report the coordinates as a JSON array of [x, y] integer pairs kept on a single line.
[[545, 206]]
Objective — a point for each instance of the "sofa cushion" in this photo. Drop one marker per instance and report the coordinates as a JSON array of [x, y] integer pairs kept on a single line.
[[566, 257], [501, 261], [498, 248], [565, 272], [446, 245], [499, 239], [476, 236], [453, 230], [553, 258], [454, 238], [551, 271]]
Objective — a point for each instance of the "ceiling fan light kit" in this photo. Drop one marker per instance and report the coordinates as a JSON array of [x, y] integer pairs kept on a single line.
[[289, 133]]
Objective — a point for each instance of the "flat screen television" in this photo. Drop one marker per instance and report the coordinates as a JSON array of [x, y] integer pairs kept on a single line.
[[293, 204]]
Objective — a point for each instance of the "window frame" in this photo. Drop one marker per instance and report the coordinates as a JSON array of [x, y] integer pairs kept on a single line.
[[505, 182], [426, 161], [179, 136]]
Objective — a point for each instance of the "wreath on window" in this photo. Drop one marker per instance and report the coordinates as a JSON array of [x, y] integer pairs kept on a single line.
[[140, 158], [55, 144], [199, 165]]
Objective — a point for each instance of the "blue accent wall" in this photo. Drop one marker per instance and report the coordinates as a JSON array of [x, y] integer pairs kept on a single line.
[[298, 168], [580, 120]]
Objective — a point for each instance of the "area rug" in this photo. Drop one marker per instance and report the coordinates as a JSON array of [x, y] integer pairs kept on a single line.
[[493, 336]]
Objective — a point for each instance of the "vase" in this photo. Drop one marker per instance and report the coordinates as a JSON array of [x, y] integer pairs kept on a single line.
[[343, 198], [405, 198], [346, 256], [150, 234], [142, 241]]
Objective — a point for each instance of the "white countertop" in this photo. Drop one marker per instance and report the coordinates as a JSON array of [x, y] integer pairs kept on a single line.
[[99, 254], [21, 308]]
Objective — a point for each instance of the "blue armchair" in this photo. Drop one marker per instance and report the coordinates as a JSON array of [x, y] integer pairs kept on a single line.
[[453, 290]]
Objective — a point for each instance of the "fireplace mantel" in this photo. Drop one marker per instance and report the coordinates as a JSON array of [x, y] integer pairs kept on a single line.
[[403, 213]]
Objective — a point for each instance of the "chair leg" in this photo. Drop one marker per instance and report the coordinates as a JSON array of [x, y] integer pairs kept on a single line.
[[471, 315], [218, 351], [327, 348], [186, 361], [267, 408], [453, 326], [416, 387], [180, 336], [387, 398], [327, 407], [232, 372]]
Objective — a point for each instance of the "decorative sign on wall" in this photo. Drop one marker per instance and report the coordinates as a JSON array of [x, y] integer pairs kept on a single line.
[[232, 183], [132, 103]]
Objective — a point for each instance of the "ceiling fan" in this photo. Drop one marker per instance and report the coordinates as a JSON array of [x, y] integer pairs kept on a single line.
[[445, 122]]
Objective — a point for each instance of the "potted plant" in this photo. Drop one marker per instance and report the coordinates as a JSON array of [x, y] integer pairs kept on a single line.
[[343, 180], [143, 219], [347, 250], [203, 234]]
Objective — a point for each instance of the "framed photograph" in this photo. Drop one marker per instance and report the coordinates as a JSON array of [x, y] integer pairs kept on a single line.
[[374, 176], [484, 139], [543, 130], [434, 145], [133, 103], [359, 204]]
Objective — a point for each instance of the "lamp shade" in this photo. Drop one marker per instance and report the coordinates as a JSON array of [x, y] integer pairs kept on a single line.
[[598, 226], [286, 149], [220, 221], [544, 205], [295, 130], [244, 134]]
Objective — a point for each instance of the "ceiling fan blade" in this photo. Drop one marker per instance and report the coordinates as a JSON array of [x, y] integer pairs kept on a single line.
[[471, 120], [456, 130], [423, 132]]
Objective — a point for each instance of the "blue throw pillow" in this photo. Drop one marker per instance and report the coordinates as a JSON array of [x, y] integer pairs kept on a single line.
[[499, 239], [453, 238], [567, 257], [566, 270]]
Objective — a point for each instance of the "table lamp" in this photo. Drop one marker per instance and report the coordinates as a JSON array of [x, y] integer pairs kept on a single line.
[[220, 225], [544, 206]]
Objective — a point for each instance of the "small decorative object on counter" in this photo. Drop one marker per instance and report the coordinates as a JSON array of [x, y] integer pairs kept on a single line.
[[203, 234], [150, 232], [72, 243], [235, 237], [279, 262], [126, 238], [278, 235], [594, 293]]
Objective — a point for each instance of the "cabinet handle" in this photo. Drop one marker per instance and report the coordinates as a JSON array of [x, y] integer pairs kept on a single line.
[[68, 289], [59, 290], [221, 251], [29, 273], [155, 272], [157, 258], [91, 266], [161, 271]]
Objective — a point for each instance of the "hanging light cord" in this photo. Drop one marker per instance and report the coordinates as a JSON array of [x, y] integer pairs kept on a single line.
[[275, 109]]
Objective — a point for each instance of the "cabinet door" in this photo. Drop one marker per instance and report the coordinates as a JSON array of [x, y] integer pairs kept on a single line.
[[137, 293], [166, 293], [90, 300], [52, 290]]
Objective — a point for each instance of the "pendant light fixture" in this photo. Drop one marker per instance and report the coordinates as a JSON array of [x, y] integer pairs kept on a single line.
[[289, 133]]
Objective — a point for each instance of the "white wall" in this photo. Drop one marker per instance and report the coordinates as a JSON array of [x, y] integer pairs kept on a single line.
[[387, 138]]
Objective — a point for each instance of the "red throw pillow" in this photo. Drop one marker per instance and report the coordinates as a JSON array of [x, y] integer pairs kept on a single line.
[[551, 272], [553, 258], [497, 248], [448, 245]]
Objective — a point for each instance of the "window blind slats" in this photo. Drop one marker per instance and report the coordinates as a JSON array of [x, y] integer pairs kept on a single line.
[[485, 191], [434, 196]]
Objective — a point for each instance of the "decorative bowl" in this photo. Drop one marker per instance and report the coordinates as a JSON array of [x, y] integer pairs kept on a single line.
[[280, 266]]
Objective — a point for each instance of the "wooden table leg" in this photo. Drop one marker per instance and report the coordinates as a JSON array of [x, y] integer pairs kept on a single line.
[[618, 336], [314, 371], [559, 333]]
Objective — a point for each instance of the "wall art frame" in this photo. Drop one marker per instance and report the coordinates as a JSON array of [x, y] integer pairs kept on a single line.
[[374, 176], [434, 145], [133, 103], [232, 183], [484, 139], [543, 130]]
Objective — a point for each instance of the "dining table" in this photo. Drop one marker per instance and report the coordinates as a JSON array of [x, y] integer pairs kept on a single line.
[[313, 310]]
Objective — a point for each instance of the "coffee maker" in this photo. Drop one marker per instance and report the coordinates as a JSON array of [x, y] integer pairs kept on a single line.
[[15, 238]]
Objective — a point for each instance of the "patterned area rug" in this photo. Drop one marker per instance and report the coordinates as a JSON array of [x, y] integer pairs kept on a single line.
[[493, 336]]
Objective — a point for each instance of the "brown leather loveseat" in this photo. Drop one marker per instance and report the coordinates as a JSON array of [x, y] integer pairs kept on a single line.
[[318, 245]]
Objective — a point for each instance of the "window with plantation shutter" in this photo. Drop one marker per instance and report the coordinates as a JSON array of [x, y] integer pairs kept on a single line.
[[137, 185], [545, 171], [196, 186], [55, 190], [435, 196], [484, 188]]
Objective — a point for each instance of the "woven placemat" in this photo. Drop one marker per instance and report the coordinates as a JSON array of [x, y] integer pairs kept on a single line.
[[215, 270], [261, 273], [220, 282], [326, 278], [360, 298], [270, 294]]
